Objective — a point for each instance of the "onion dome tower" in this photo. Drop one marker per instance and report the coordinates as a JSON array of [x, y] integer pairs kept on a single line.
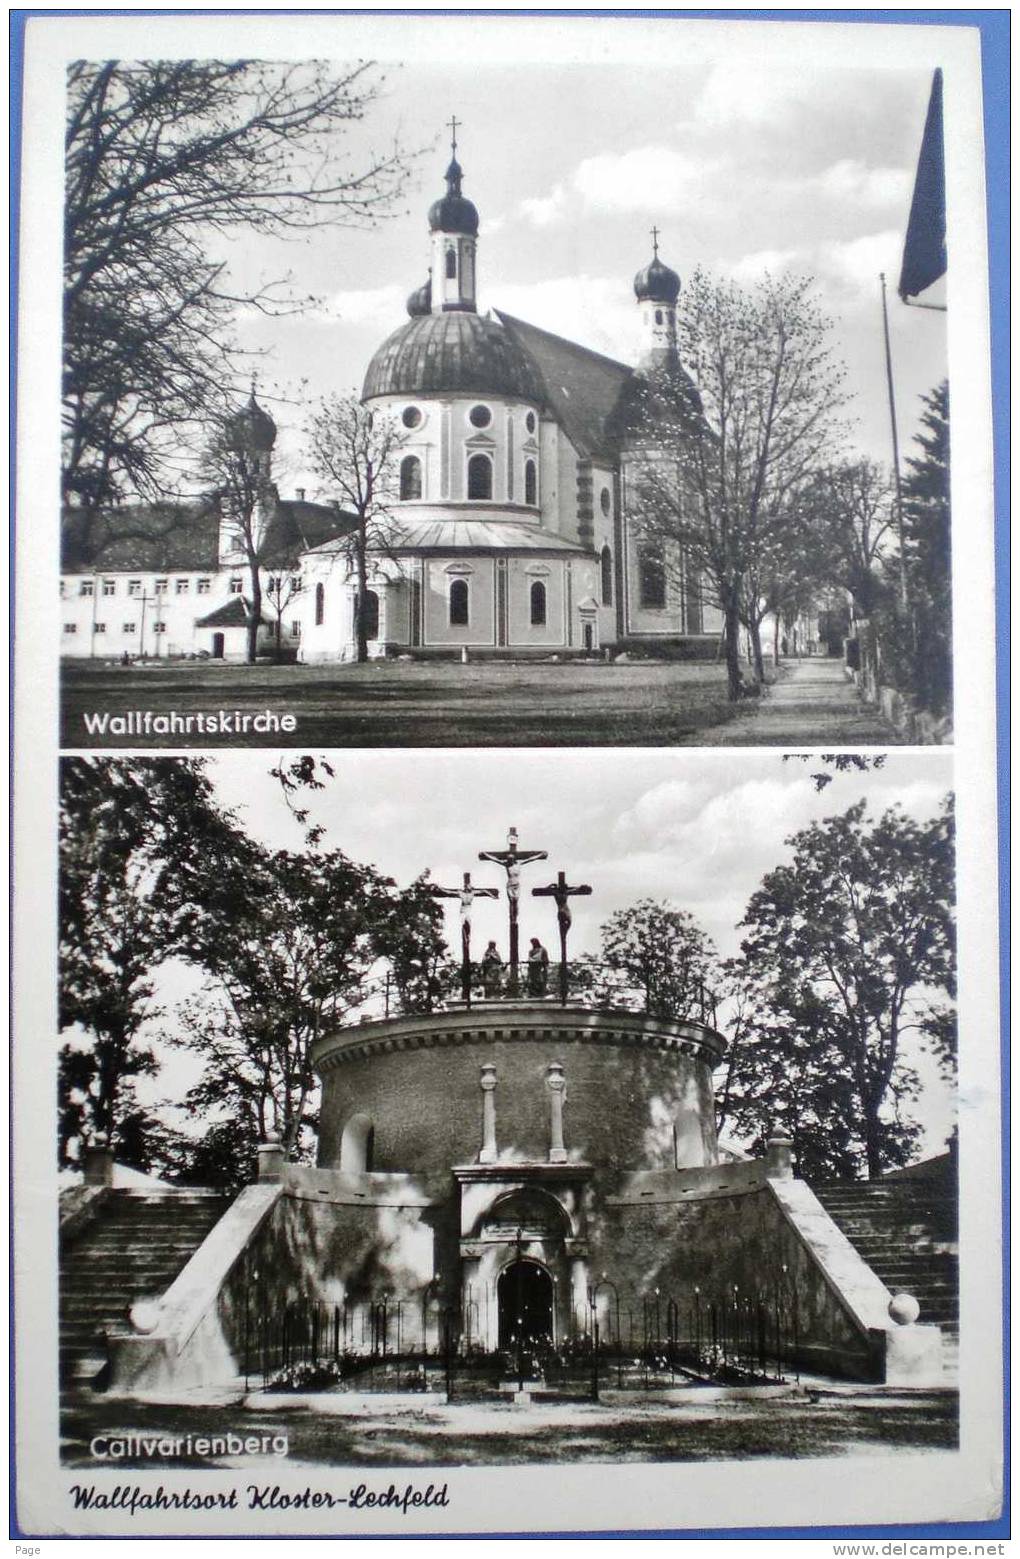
[[657, 289], [255, 430], [453, 223], [419, 304]]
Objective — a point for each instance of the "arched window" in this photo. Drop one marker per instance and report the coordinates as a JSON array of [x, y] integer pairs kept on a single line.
[[651, 578], [320, 604], [459, 603], [530, 482], [658, 316], [371, 614], [357, 1145], [538, 604], [479, 477], [606, 566], [410, 477], [451, 263]]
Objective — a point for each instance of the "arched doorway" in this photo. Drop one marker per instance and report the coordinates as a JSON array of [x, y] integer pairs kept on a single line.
[[524, 1295]]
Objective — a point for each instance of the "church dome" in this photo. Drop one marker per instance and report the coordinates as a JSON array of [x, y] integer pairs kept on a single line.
[[656, 283], [420, 301], [449, 354], [454, 213], [255, 426]]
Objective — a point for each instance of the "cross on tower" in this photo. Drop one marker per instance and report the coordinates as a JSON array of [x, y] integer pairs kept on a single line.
[[467, 895], [453, 132], [655, 242], [512, 859], [562, 892]]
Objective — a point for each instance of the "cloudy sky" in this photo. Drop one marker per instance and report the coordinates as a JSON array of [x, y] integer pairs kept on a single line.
[[747, 156]]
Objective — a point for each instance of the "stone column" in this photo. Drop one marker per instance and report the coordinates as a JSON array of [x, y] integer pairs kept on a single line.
[[271, 1158], [488, 1085], [97, 1166], [779, 1158], [557, 1085]]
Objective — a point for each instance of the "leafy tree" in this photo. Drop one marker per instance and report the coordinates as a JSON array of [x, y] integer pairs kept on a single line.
[[355, 453], [724, 468], [848, 949], [134, 840], [163, 160], [658, 957], [854, 506]]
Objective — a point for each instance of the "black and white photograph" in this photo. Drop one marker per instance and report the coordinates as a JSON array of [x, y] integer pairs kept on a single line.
[[505, 402], [506, 940]]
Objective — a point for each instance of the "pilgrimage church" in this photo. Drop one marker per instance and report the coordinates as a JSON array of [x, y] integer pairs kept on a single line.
[[510, 528]]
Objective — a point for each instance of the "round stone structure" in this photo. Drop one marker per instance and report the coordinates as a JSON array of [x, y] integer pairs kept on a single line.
[[411, 1094]]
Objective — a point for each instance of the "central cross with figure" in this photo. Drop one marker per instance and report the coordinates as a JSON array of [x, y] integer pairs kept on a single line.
[[512, 859], [562, 892], [467, 895]]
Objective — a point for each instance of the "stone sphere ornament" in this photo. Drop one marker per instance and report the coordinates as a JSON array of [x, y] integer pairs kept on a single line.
[[144, 1316], [904, 1309]]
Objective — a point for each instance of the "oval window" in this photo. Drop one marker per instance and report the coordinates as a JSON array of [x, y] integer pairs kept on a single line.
[[529, 422], [605, 500], [480, 416], [411, 417]]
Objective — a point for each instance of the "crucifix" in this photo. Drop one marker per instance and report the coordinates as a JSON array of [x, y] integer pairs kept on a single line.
[[512, 859], [467, 895], [562, 892], [454, 121], [655, 242]]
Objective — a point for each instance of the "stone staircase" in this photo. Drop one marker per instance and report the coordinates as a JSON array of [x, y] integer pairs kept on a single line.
[[133, 1246], [905, 1229]]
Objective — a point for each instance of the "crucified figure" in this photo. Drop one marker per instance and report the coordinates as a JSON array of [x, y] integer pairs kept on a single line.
[[467, 895], [562, 892], [512, 859]]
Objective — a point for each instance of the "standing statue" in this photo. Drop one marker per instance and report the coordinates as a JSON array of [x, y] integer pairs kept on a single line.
[[492, 970], [538, 968]]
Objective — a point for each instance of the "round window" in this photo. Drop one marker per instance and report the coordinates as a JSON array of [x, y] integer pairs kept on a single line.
[[411, 417], [529, 422], [480, 416], [606, 501]]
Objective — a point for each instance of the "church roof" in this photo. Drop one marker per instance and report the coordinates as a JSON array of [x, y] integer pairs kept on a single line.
[[479, 536], [296, 526], [232, 614], [581, 387], [145, 538], [452, 353]]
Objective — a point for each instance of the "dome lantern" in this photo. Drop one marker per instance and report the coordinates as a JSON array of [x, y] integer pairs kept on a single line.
[[453, 223], [657, 288]]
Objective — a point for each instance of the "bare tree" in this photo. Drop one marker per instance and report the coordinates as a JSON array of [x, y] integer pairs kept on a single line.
[[233, 463], [724, 467], [355, 454], [162, 159]]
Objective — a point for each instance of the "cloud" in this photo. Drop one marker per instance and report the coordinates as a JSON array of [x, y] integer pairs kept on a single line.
[[597, 311], [747, 94], [365, 306], [648, 178], [544, 210], [852, 182]]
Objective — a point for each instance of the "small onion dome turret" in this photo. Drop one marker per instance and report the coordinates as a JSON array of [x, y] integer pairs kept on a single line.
[[656, 283], [420, 301], [255, 426], [454, 213], [450, 354]]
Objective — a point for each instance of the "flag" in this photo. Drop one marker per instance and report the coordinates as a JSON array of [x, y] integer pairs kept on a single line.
[[924, 249]]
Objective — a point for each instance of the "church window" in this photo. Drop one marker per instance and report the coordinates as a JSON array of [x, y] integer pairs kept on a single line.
[[410, 477], [203, 586], [459, 603], [530, 482], [99, 628], [272, 585], [320, 605], [451, 263], [181, 586], [538, 604], [606, 568], [479, 477], [371, 617], [411, 417], [159, 627], [63, 587], [129, 628], [605, 500], [480, 416], [70, 627], [529, 422], [87, 587], [134, 587], [236, 585], [160, 586], [295, 629], [109, 587], [651, 578], [658, 316]]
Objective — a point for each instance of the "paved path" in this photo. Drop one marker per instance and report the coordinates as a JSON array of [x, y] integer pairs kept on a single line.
[[812, 704]]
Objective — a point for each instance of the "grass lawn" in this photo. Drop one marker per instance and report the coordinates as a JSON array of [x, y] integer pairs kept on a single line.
[[407, 704], [806, 1425]]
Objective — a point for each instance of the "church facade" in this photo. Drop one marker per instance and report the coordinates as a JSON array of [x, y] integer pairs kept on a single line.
[[509, 523]]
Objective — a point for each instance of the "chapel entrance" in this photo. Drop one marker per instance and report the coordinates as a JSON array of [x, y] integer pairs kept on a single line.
[[217, 646], [524, 1296]]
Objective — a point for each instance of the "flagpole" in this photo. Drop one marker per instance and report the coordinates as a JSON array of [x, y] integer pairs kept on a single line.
[[895, 442]]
